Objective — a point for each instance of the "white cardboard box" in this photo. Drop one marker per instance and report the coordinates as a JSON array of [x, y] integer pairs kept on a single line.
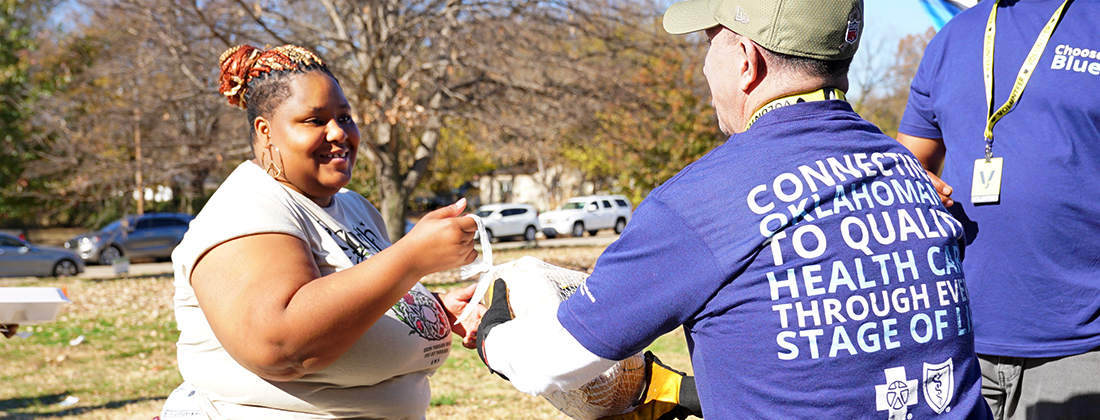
[[30, 305]]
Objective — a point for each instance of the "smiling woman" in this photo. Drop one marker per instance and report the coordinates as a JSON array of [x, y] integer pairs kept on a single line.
[[290, 299], [297, 106]]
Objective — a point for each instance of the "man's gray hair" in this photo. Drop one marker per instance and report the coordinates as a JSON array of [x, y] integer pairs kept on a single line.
[[810, 66]]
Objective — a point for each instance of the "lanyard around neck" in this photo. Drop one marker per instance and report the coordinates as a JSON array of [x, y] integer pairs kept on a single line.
[[1022, 78], [823, 94]]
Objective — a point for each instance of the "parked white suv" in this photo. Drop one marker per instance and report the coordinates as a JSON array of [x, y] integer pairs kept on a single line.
[[504, 220], [589, 213]]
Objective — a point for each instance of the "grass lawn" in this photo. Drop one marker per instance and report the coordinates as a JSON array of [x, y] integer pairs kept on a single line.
[[125, 364]]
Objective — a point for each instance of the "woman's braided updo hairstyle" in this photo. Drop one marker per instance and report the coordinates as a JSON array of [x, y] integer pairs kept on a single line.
[[258, 80]]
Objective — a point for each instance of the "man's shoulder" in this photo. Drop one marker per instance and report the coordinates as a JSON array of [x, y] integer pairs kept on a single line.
[[710, 172]]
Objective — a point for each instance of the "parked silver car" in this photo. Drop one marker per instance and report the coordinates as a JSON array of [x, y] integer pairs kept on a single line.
[[152, 235], [587, 214], [21, 258], [505, 220]]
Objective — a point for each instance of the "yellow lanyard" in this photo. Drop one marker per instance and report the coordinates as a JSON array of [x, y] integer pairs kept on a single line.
[[1022, 78], [823, 94]]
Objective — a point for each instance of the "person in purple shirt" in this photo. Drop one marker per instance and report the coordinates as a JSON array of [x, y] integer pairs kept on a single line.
[[808, 258], [1020, 165]]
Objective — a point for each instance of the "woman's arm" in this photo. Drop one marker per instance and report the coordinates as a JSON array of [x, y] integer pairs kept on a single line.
[[273, 312]]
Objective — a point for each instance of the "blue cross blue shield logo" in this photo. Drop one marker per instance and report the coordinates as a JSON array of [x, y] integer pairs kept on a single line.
[[939, 385], [897, 394]]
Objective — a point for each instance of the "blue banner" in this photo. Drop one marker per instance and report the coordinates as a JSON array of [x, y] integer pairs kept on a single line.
[[941, 11]]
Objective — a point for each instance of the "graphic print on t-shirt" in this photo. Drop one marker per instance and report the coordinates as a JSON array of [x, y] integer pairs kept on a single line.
[[897, 394], [423, 314], [939, 385], [1073, 58], [817, 303], [864, 260], [359, 244]]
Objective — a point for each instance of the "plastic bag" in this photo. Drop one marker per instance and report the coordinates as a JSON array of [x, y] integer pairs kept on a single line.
[[534, 284]]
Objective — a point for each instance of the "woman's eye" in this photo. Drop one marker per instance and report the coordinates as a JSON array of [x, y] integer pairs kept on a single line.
[[344, 119]]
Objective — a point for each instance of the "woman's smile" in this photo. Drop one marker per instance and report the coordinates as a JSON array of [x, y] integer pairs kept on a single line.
[[341, 155]]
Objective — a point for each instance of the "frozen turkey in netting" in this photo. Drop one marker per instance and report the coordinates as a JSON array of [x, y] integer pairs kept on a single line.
[[535, 285]]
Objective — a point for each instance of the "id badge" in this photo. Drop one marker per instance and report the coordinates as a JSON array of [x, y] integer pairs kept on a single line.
[[987, 181]]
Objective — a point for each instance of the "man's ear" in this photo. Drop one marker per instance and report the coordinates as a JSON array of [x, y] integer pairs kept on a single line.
[[751, 64]]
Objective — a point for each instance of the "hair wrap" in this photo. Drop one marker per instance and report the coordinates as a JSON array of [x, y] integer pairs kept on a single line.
[[240, 64]]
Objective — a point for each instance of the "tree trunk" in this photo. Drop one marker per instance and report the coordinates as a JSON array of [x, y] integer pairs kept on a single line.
[[392, 206], [387, 163]]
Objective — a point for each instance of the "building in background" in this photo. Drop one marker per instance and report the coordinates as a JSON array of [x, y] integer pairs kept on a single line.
[[545, 189]]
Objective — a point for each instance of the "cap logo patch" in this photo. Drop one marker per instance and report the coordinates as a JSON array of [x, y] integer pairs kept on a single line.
[[741, 16], [851, 36]]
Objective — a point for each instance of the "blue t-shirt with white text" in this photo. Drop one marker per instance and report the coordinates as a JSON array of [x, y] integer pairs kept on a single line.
[[1032, 260], [815, 272]]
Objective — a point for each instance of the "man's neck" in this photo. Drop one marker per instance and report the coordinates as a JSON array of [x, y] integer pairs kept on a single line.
[[784, 86]]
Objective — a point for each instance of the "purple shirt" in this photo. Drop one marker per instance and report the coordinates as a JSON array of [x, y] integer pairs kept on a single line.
[[814, 269], [1032, 261]]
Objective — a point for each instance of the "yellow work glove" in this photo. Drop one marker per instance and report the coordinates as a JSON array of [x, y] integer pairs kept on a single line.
[[669, 394]]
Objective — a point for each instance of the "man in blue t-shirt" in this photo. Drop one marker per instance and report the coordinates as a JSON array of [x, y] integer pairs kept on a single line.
[[809, 260], [1024, 175]]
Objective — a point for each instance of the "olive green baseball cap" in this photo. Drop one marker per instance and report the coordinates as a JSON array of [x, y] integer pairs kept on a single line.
[[819, 29]]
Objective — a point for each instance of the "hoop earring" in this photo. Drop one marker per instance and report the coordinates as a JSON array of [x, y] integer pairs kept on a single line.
[[271, 162]]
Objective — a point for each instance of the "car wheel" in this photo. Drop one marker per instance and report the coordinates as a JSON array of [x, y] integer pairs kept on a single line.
[[620, 225], [64, 268], [550, 235], [109, 255], [578, 229], [529, 233], [488, 235]]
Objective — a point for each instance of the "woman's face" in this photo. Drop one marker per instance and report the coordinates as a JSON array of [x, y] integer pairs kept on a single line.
[[317, 139]]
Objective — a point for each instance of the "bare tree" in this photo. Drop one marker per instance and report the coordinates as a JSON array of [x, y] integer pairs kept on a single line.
[[144, 111], [883, 77], [408, 66], [520, 78]]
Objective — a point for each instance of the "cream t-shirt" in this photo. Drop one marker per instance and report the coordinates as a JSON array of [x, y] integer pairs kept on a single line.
[[385, 373]]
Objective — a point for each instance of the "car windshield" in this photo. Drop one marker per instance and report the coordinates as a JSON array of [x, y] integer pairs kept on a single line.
[[484, 213], [573, 205], [117, 223], [113, 226]]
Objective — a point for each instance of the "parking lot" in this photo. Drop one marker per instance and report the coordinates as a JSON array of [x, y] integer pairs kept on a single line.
[[141, 268]]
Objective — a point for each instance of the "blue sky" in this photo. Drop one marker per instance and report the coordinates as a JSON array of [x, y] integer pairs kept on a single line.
[[885, 18], [894, 18], [887, 21]]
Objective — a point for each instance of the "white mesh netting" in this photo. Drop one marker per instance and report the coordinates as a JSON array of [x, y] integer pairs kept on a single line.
[[533, 284]]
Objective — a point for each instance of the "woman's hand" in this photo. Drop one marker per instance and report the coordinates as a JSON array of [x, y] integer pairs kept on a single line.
[[454, 302], [441, 240], [943, 189]]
